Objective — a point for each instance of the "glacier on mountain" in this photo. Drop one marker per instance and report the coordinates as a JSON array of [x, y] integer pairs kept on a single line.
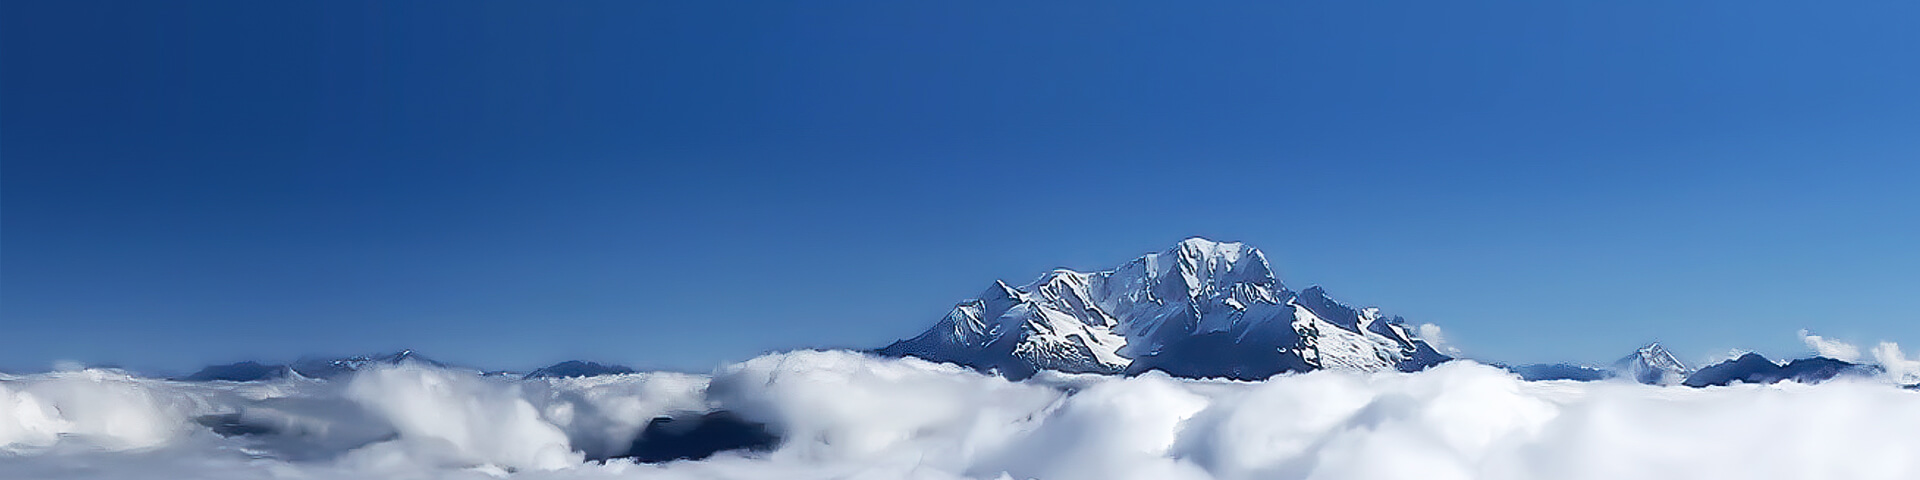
[[1201, 309]]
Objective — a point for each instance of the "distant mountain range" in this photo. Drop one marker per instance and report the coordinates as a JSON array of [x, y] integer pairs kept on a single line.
[[1753, 368], [329, 368], [1654, 365], [1200, 309], [1651, 365]]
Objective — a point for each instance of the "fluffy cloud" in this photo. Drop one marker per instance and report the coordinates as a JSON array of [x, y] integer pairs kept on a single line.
[[459, 419], [1435, 338], [846, 415], [1887, 355], [1830, 348], [1898, 367]]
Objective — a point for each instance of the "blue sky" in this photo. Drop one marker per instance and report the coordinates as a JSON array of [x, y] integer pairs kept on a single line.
[[676, 184]]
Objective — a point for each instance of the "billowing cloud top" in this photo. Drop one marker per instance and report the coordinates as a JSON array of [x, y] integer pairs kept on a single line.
[[848, 415]]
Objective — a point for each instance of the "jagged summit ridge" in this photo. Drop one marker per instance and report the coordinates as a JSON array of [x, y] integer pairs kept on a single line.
[[1200, 309]]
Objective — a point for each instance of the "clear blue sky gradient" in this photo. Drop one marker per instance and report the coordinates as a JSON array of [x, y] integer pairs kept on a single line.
[[676, 184]]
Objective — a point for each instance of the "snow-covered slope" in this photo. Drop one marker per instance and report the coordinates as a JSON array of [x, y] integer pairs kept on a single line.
[[1199, 309], [1652, 365]]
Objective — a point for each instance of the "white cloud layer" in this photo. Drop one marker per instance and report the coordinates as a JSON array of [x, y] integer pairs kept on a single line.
[[844, 415]]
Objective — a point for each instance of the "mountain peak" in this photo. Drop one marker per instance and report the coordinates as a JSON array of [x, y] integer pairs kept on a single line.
[[1204, 251], [1201, 246], [1201, 308], [1206, 266], [1653, 364]]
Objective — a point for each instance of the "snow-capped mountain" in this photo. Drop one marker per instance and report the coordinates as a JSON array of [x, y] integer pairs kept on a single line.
[[1199, 309], [1652, 365]]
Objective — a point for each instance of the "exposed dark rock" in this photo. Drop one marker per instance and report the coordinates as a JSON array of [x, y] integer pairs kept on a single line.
[[693, 438], [239, 372], [1559, 371], [1753, 368], [576, 368]]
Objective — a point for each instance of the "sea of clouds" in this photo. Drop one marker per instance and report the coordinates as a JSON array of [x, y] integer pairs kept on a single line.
[[848, 415]]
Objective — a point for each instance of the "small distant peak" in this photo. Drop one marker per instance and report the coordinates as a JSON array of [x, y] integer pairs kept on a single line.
[[1657, 356], [1655, 350], [1653, 365]]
